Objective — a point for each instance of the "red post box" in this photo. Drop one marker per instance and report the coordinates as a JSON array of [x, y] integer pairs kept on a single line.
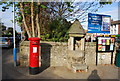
[[34, 55]]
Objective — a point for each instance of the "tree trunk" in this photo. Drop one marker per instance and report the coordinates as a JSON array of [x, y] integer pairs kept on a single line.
[[24, 21], [32, 18], [37, 21]]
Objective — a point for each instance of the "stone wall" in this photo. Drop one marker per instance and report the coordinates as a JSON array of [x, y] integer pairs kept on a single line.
[[102, 58], [54, 51], [90, 53], [52, 54], [56, 54], [24, 54]]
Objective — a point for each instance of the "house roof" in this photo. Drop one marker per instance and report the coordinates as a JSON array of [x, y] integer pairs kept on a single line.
[[76, 28], [115, 22]]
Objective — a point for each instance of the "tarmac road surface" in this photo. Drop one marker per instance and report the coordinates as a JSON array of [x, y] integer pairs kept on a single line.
[[11, 72], [58, 72]]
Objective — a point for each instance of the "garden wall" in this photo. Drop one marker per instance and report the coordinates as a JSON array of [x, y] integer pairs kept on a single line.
[[55, 54], [52, 53]]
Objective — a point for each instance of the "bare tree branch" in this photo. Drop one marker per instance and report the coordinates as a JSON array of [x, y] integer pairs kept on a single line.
[[32, 18], [24, 21], [37, 21]]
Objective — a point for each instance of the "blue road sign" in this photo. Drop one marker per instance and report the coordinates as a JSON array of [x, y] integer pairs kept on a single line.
[[98, 23]]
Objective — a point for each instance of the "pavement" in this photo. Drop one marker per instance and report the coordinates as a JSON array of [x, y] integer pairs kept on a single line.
[[107, 72]]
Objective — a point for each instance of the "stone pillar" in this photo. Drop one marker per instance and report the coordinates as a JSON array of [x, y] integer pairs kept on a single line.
[[90, 53], [71, 43], [83, 44], [114, 53]]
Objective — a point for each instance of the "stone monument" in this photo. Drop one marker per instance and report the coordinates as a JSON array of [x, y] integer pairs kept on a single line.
[[76, 48]]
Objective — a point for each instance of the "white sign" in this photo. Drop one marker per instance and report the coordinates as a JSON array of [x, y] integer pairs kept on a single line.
[[34, 49], [111, 47]]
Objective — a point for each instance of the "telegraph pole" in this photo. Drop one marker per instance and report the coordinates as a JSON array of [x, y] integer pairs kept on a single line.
[[14, 49]]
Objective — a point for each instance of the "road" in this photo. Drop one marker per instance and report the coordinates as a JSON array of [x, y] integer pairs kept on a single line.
[[11, 72], [8, 69]]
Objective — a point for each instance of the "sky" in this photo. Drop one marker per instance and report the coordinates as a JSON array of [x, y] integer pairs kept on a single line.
[[111, 9], [7, 17]]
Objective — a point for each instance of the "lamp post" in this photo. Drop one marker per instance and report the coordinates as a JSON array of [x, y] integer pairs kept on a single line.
[[14, 49]]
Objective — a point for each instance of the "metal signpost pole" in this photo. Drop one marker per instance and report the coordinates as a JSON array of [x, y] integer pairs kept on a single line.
[[14, 49]]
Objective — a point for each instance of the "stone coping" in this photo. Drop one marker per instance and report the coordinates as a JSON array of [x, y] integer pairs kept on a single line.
[[26, 43]]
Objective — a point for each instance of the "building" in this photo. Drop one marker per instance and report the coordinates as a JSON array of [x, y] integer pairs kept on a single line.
[[115, 27]]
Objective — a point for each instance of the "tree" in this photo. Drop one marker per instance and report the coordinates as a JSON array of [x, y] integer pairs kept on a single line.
[[9, 32], [2, 27], [27, 14], [34, 17], [58, 30], [73, 10], [60, 11]]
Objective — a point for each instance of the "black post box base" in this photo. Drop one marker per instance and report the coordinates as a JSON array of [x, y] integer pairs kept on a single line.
[[33, 70]]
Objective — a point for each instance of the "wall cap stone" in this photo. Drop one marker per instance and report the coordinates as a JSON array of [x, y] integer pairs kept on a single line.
[[26, 43]]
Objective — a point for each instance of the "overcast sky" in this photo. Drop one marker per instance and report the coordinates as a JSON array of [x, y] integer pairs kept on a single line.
[[112, 10]]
